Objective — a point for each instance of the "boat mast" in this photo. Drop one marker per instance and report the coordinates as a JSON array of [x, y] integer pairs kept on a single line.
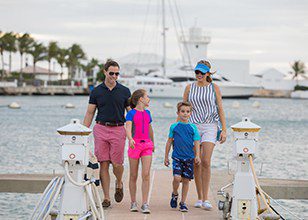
[[164, 38]]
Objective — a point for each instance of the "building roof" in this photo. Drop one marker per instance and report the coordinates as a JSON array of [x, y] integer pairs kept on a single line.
[[38, 71], [271, 71]]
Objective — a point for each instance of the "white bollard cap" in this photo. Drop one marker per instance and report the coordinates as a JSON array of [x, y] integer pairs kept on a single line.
[[74, 128], [245, 126]]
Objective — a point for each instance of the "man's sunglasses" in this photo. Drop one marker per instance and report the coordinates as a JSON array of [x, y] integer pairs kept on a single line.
[[199, 72], [114, 73]]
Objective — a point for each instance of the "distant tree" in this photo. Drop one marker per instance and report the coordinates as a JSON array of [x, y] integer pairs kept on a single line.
[[24, 44], [100, 75], [1, 53], [52, 51], [61, 57], [9, 40], [75, 55], [298, 69], [88, 68], [39, 53]]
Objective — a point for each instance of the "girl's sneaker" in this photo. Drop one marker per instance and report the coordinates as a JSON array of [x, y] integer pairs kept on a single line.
[[198, 204], [174, 201], [183, 207], [145, 209], [133, 207], [207, 205]]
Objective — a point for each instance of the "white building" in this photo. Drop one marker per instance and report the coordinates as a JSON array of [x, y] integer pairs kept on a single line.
[[273, 79], [40, 73]]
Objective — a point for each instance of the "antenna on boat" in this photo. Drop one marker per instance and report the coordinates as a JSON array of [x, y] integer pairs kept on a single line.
[[164, 38]]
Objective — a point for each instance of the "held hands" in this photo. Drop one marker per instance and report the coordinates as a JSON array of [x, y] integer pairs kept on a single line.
[[132, 143], [197, 160], [166, 162]]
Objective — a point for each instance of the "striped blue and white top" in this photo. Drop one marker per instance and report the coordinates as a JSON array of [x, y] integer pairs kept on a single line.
[[203, 101]]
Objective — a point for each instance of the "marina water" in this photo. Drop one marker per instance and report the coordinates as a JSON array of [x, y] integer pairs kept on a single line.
[[29, 142]]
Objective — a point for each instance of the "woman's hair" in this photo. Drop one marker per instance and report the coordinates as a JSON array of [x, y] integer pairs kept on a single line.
[[180, 104], [110, 63], [133, 100], [207, 63]]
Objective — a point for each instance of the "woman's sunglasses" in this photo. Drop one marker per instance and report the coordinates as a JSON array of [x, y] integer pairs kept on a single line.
[[114, 73], [199, 72]]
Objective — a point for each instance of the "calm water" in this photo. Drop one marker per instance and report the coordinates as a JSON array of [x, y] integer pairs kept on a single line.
[[29, 142]]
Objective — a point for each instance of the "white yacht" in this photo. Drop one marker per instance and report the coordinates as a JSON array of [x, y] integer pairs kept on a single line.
[[163, 82], [174, 86]]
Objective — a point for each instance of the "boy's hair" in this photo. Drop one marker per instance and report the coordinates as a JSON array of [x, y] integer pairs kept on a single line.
[[180, 104]]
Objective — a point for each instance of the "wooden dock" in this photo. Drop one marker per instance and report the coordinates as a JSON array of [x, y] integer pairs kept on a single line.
[[160, 192]]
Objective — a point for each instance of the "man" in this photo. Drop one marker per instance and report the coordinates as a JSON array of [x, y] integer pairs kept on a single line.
[[110, 98]]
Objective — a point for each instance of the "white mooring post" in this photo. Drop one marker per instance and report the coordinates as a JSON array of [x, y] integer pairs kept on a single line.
[[244, 201], [75, 157]]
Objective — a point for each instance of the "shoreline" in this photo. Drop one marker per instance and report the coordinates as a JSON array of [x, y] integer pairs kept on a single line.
[[81, 91]]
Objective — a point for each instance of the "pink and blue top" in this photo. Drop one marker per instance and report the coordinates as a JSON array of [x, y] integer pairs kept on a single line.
[[141, 122]]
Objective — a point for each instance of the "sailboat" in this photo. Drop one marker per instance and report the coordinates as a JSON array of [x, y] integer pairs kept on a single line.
[[159, 84]]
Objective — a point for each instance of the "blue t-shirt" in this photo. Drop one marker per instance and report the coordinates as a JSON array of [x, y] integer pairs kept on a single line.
[[184, 135]]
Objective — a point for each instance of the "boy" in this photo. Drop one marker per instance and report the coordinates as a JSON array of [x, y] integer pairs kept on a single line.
[[186, 141]]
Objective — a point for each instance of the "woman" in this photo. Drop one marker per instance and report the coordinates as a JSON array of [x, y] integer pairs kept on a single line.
[[207, 112]]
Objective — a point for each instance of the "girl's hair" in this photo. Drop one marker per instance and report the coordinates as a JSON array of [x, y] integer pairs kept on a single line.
[[207, 63], [133, 100]]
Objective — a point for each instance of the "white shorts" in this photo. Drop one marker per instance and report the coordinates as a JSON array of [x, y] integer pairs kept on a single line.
[[208, 132]]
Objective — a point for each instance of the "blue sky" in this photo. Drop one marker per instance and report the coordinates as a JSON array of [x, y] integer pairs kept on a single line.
[[269, 33]]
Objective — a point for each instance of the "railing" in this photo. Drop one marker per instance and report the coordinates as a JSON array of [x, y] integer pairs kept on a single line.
[[4, 84]]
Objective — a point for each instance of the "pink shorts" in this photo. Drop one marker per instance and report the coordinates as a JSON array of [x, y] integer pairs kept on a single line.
[[109, 143], [142, 148]]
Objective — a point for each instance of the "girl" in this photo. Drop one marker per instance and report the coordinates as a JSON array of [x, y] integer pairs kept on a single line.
[[141, 145], [205, 98]]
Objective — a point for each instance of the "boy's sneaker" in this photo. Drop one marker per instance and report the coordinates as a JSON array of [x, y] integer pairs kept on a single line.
[[183, 207], [174, 201], [133, 207], [198, 204], [145, 209], [207, 205]]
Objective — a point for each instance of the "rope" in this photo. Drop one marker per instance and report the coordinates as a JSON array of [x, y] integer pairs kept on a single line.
[[176, 32], [181, 25], [143, 31], [258, 185], [277, 203], [71, 179]]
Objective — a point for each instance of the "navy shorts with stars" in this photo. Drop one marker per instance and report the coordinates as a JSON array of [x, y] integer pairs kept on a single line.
[[183, 167]]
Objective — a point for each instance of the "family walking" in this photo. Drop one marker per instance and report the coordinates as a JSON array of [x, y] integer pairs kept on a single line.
[[192, 137]]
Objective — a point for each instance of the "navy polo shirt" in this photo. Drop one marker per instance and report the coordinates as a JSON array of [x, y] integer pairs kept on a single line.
[[110, 103]]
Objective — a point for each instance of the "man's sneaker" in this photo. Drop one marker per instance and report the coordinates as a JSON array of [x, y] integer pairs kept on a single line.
[[198, 204], [174, 201], [183, 207], [145, 209], [207, 205], [133, 207]]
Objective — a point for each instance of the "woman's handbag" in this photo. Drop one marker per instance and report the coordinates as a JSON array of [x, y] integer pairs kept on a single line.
[[219, 126]]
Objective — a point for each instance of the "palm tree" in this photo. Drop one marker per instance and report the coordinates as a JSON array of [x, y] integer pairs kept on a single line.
[[76, 54], [298, 68], [24, 44], [10, 46], [8, 43], [61, 58], [39, 53], [89, 66], [52, 51], [1, 52]]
